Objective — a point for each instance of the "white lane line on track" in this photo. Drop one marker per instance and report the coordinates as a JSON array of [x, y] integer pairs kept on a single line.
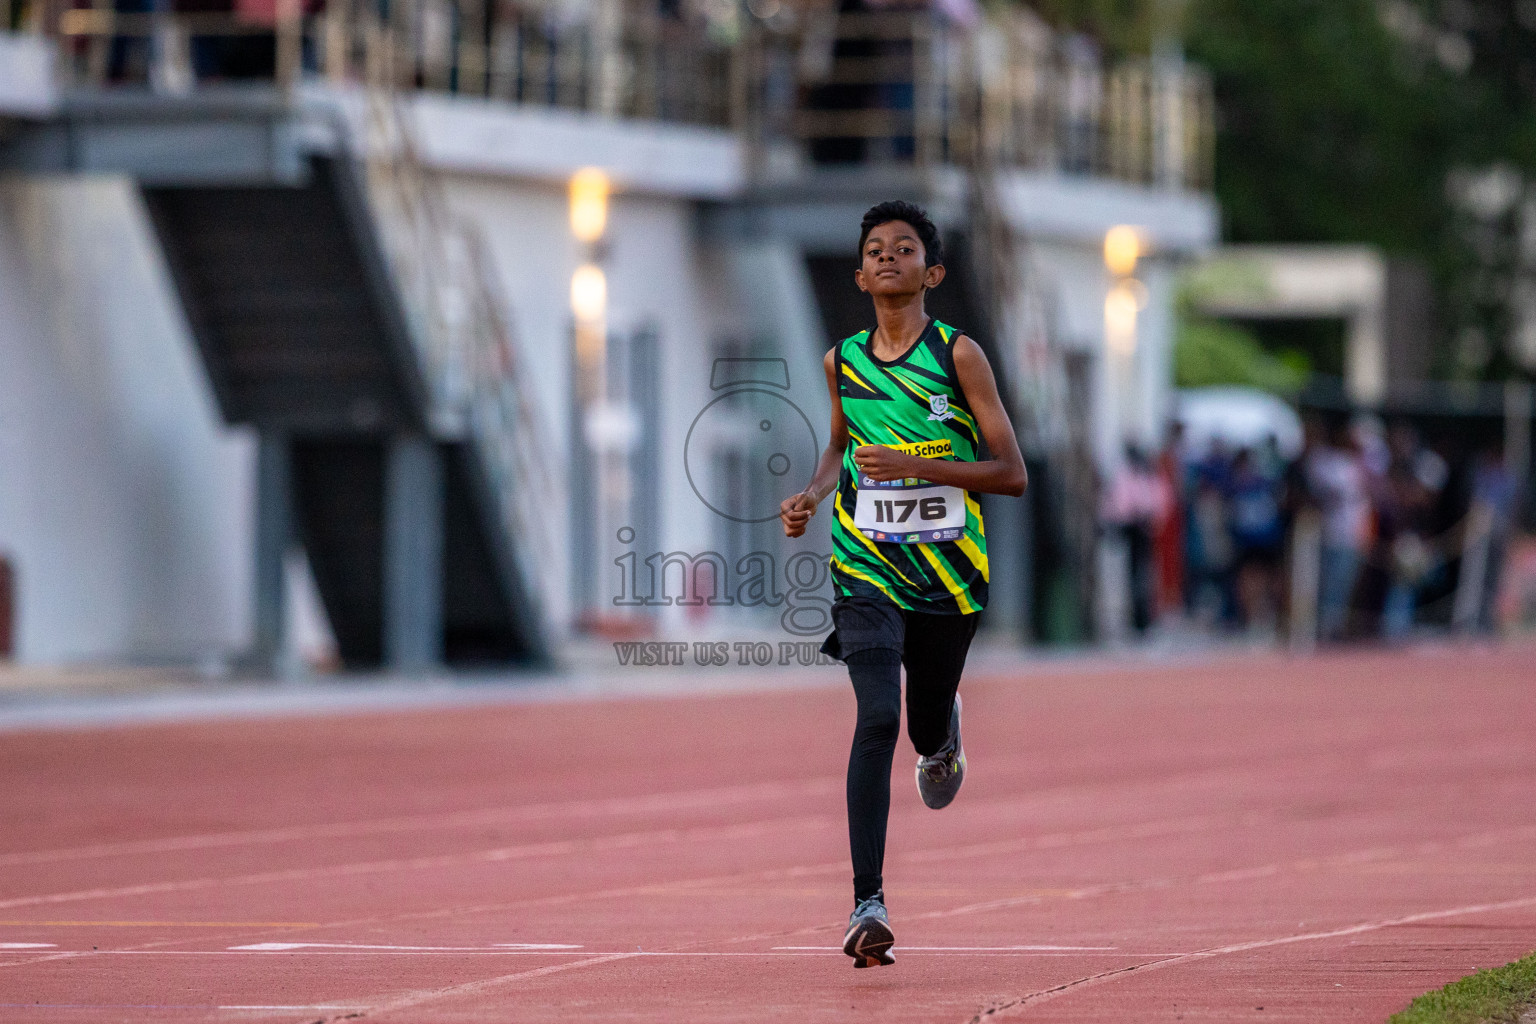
[[283, 947], [1054, 840], [566, 847], [572, 952], [418, 998], [421, 996], [297, 1006], [28, 945], [1353, 857], [1008, 1008], [648, 803], [977, 949], [638, 804]]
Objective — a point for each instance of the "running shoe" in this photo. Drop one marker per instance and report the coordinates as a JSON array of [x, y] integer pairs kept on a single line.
[[939, 776], [869, 938]]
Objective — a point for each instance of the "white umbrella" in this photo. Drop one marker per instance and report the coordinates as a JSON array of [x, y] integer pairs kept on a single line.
[[1240, 417]]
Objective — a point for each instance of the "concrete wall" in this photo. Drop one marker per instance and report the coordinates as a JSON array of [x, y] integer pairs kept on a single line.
[[126, 504], [658, 277], [27, 83], [124, 501], [1064, 221], [701, 297]]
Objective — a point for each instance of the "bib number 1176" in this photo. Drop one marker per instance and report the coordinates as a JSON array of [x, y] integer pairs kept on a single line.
[[899, 510], [909, 514]]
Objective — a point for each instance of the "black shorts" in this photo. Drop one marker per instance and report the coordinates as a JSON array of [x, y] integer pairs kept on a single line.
[[863, 623]]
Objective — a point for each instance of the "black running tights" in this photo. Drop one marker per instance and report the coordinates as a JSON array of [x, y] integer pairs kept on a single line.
[[933, 651]]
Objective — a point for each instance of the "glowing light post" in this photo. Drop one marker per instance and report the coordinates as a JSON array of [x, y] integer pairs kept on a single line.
[[1125, 299], [589, 286], [607, 429]]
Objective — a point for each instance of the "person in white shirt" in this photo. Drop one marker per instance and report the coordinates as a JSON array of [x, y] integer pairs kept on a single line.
[[1337, 478]]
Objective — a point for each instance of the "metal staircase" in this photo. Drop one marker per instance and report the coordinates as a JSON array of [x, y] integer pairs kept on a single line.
[[466, 344], [344, 313]]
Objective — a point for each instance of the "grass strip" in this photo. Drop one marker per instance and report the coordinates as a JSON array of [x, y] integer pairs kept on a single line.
[[1496, 996]]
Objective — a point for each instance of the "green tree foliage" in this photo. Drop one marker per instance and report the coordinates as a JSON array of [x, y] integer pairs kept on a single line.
[[1348, 120], [1209, 352], [1325, 134]]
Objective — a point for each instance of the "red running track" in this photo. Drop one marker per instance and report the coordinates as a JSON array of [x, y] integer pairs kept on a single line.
[[1315, 840]]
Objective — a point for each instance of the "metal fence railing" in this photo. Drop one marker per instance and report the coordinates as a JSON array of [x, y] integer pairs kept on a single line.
[[643, 67], [911, 86], [877, 86]]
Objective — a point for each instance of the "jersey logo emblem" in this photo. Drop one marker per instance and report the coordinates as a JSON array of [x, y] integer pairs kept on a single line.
[[940, 406]]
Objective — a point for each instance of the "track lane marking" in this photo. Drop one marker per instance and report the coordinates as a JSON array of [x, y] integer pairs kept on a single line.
[[1240, 874], [1180, 779], [160, 924], [1049, 840], [663, 888], [978, 949], [297, 1006], [611, 806], [1115, 888], [504, 947], [561, 847], [419, 998], [815, 953], [1045, 842], [1175, 826], [1043, 995], [169, 1006], [1107, 834]]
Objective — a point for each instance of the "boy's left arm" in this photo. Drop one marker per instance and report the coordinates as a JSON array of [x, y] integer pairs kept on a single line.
[[1004, 473]]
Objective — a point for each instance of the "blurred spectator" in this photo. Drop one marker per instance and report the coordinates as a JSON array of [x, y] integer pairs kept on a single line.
[[1495, 493], [1258, 539], [1168, 540], [1370, 439], [1209, 545], [1337, 482], [1135, 501], [1409, 495]]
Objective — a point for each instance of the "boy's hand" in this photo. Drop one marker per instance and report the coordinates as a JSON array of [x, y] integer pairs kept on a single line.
[[795, 512], [880, 463]]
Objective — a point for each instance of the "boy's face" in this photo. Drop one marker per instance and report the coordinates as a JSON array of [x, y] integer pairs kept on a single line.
[[894, 262]]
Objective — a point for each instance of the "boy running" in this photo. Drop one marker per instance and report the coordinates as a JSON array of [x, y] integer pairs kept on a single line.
[[912, 400]]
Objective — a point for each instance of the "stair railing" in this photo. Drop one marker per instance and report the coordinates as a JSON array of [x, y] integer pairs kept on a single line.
[[464, 334]]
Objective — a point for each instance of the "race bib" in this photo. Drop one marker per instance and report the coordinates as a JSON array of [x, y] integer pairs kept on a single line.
[[909, 511]]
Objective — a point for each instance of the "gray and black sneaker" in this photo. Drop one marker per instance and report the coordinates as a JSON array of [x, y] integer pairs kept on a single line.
[[869, 939], [939, 776]]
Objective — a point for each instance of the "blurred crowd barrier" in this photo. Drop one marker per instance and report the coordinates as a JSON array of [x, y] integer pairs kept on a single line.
[[941, 83], [1374, 529]]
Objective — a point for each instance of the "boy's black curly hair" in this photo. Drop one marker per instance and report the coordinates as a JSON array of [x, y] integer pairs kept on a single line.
[[897, 209]]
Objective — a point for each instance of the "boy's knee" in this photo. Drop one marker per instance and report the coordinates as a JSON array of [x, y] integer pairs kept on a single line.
[[882, 720], [876, 676]]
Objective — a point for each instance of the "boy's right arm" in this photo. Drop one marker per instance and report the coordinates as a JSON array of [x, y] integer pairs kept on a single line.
[[796, 510]]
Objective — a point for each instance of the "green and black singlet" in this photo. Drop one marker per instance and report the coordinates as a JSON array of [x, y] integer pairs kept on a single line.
[[919, 545]]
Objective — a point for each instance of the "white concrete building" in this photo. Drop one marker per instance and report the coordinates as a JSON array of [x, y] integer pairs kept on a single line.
[[127, 505]]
